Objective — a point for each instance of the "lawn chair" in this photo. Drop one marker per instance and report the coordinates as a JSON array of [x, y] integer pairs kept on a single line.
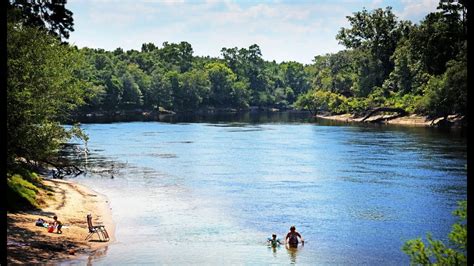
[[96, 229]]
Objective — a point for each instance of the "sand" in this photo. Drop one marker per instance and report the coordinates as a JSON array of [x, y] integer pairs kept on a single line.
[[410, 120], [71, 202]]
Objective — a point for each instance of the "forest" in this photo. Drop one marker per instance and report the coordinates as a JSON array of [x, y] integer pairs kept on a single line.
[[420, 68]]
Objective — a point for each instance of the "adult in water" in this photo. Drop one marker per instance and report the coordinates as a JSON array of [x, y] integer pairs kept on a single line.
[[292, 237]]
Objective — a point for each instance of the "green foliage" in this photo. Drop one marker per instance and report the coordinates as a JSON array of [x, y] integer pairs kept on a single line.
[[393, 63], [447, 94], [377, 32], [323, 101], [440, 36], [49, 15], [357, 105], [226, 90], [132, 94], [43, 87], [173, 78], [388, 63], [192, 88], [249, 67], [21, 193], [369, 75], [176, 56], [295, 77], [401, 79], [409, 102], [306, 102], [335, 72], [438, 253], [160, 93], [376, 98]]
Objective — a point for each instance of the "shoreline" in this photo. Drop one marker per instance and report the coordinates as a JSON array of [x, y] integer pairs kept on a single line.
[[409, 120], [71, 202]]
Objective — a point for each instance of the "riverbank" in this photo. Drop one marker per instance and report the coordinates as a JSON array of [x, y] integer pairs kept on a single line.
[[71, 202], [410, 120]]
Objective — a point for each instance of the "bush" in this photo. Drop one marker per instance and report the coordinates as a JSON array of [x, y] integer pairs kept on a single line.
[[446, 94], [357, 106], [376, 98], [409, 102]]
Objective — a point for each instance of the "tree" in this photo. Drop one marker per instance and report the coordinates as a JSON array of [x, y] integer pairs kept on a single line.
[[160, 93], [132, 96], [447, 94], [114, 92], [51, 15], [377, 32], [440, 37], [249, 67], [336, 72], [193, 87], [42, 89], [322, 101], [222, 80], [295, 77], [177, 55], [401, 79], [148, 47]]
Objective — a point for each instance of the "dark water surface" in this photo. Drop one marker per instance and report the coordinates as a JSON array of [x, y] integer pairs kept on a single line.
[[210, 190]]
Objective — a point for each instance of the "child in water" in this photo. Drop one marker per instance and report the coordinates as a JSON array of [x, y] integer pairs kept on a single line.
[[274, 242]]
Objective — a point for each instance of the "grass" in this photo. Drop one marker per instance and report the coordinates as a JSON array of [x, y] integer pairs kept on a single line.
[[22, 190]]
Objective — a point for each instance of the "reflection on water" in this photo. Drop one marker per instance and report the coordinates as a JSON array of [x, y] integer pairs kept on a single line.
[[211, 192], [100, 253], [292, 253]]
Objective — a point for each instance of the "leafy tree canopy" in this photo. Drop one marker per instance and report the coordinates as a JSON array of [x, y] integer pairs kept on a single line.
[[46, 14]]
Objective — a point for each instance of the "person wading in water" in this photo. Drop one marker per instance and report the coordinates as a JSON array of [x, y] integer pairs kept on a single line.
[[292, 237]]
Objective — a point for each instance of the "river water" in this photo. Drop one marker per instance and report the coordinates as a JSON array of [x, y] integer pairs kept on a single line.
[[212, 190]]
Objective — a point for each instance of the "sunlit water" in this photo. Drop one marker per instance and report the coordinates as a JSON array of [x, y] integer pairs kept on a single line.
[[212, 192]]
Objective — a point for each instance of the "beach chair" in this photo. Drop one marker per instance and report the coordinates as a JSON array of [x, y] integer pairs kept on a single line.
[[96, 229]]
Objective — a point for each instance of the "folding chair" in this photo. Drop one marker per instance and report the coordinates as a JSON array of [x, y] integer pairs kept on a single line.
[[96, 229]]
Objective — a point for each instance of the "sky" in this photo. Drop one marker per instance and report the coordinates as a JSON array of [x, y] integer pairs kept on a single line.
[[284, 30]]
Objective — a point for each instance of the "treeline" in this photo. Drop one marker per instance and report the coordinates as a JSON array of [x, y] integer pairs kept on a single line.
[[173, 78], [421, 68]]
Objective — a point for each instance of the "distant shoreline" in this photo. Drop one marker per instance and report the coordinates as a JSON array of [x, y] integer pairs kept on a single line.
[[143, 115], [71, 202], [414, 120], [410, 120]]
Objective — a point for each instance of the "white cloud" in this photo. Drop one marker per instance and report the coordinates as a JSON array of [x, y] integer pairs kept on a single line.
[[284, 31], [173, 2], [413, 10]]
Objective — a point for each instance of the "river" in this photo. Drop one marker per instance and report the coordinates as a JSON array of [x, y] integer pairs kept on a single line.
[[211, 190]]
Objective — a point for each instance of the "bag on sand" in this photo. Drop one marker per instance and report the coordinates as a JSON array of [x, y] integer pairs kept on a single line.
[[50, 228]]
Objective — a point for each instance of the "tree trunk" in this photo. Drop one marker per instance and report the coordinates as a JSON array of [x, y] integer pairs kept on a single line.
[[400, 111]]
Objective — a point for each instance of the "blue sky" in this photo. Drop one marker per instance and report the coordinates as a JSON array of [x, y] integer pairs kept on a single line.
[[284, 30]]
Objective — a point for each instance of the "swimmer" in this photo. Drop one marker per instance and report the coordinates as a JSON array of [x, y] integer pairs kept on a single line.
[[274, 242], [292, 237]]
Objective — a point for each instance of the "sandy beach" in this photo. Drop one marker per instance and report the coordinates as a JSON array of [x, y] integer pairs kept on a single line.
[[410, 120], [71, 202]]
